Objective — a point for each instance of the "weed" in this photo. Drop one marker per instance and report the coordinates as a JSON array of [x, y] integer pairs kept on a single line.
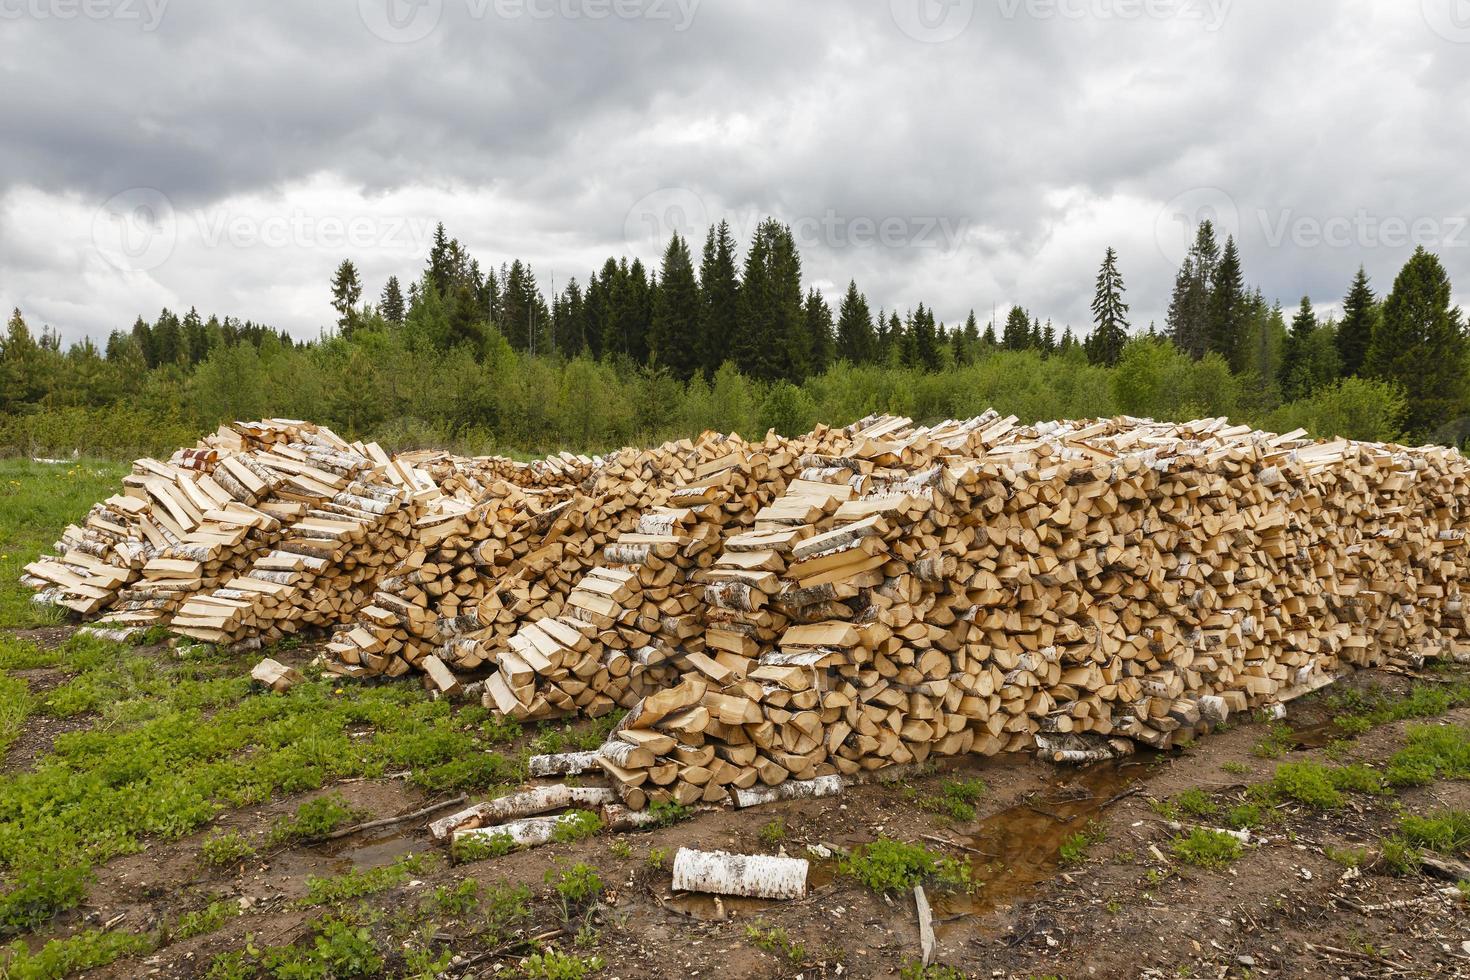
[[1198, 804], [1399, 856], [1206, 848], [1431, 752], [773, 832], [478, 847], [956, 798], [773, 939], [575, 887], [1315, 785], [888, 865], [343, 888], [453, 901], [70, 956], [1447, 832], [657, 858], [504, 909], [552, 965], [1247, 816], [1074, 848], [621, 849], [1235, 768], [666, 813], [340, 948], [313, 819], [576, 825], [225, 848], [1278, 741], [1349, 857], [205, 920]]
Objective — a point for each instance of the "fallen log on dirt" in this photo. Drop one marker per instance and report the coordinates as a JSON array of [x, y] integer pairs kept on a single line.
[[750, 875], [540, 800]]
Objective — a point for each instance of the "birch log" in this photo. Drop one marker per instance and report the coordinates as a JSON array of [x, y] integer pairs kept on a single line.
[[750, 875]]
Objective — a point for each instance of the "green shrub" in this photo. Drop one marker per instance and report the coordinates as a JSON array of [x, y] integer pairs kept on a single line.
[[888, 865], [1431, 752], [205, 920], [575, 887], [666, 813]]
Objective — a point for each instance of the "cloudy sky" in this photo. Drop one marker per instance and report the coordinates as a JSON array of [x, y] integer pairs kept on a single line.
[[962, 153]]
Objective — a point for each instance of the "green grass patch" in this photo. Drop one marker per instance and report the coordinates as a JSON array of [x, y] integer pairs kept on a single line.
[[1447, 831], [773, 939], [314, 819], [576, 825], [1278, 742], [343, 888], [1316, 785], [553, 965], [916, 970], [15, 708], [36, 501], [70, 956], [1431, 752], [203, 921], [575, 887], [1205, 848], [956, 798], [224, 849], [1074, 849], [888, 865], [479, 848], [666, 813]]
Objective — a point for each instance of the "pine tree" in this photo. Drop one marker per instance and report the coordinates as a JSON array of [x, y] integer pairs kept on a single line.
[[1048, 338], [1355, 332], [1189, 309], [719, 296], [346, 291], [20, 360], [1067, 343], [392, 303], [1017, 335], [440, 273], [1420, 344], [1109, 314], [674, 333], [818, 316], [855, 338], [1228, 307], [989, 341], [967, 347], [168, 340]]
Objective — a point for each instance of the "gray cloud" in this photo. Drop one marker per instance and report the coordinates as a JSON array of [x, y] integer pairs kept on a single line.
[[1009, 154]]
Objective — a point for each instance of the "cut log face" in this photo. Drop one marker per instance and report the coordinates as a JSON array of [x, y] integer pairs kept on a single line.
[[797, 612]]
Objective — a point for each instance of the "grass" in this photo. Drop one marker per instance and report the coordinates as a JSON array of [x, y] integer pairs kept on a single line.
[[888, 865], [226, 848], [1204, 848], [205, 920], [36, 501], [1196, 803], [666, 813], [1447, 831], [956, 798], [576, 825], [1278, 742], [1317, 786], [1431, 752], [773, 939], [773, 832], [1075, 847], [916, 970], [340, 889]]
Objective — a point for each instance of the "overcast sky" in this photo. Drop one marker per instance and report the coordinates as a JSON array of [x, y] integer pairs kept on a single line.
[[962, 153]]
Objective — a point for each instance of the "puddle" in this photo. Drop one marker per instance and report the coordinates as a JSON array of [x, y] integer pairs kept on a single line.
[[1014, 850], [362, 854]]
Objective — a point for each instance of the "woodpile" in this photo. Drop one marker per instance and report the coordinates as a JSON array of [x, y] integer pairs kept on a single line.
[[780, 616]]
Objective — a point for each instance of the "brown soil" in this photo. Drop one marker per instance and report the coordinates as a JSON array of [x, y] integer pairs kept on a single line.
[[1283, 910]]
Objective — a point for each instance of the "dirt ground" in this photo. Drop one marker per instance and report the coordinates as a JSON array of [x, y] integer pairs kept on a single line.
[[1125, 910]]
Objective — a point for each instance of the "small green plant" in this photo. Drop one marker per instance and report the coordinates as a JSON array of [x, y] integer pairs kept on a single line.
[[888, 865], [773, 832], [552, 965], [1278, 741], [1317, 786], [657, 858], [343, 888], [1206, 848], [576, 825], [468, 848], [70, 956], [666, 813], [1246, 816], [1235, 767], [1399, 856], [453, 901], [1348, 857], [956, 798], [226, 849], [504, 909], [773, 939], [1447, 831], [1074, 849], [620, 848], [205, 920], [1198, 804], [575, 887], [1431, 752], [314, 819]]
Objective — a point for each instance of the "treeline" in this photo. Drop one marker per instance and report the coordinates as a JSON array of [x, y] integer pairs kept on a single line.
[[479, 360]]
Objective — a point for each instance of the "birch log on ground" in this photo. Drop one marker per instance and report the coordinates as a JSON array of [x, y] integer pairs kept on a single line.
[[750, 875], [532, 801]]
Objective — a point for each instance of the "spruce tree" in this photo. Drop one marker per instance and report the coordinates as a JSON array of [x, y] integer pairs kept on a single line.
[[1228, 307], [391, 305], [818, 316], [719, 293], [346, 291], [1355, 332], [967, 347], [1420, 344], [1109, 314], [1017, 334], [989, 341], [674, 334], [1294, 376], [855, 338], [1189, 308], [770, 341], [1048, 338], [926, 341]]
